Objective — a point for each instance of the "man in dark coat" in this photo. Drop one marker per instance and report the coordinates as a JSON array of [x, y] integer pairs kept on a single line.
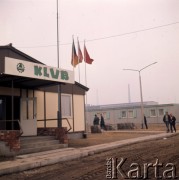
[[145, 122], [102, 123], [96, 120], [172, 122], [95, 127], [166, 120]]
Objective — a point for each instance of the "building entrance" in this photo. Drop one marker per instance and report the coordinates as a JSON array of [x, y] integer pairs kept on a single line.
[[29, 116]]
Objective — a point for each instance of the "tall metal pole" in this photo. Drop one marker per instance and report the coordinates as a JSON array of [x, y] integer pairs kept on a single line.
[[140, 82], [142, 105], [57, 39], [59, 116]]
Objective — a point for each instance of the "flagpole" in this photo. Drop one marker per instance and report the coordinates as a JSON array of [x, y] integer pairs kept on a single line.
[[85, 66], [85, 72], [78, 61], [88, 60], [73, 54], [86, 92]]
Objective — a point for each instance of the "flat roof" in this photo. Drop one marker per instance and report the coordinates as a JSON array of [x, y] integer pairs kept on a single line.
[[147, 104]]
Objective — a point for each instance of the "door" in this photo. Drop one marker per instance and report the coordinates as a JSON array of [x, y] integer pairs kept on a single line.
[[28, 116]]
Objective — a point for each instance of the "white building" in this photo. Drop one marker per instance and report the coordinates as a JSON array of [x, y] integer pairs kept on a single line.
[[131, 113], [35, 98]]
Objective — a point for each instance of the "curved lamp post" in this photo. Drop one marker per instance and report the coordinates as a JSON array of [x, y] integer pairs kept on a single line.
[[140, 82]]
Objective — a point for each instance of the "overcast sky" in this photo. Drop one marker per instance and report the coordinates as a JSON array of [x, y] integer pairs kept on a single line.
[[119, 34]]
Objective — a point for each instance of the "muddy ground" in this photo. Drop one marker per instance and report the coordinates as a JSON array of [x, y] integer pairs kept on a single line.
[[157, 153], [107, 136]]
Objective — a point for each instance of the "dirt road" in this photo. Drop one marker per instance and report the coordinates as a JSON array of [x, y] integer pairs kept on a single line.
[[160, 154]]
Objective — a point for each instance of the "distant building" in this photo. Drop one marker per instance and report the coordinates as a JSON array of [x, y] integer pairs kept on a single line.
[[131, 113]]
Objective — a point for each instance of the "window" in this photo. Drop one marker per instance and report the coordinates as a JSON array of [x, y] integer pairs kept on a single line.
[[123, 114], [152, 113], [130, 114], [66, 105], [160, 112], [135, 113], [108, 115]]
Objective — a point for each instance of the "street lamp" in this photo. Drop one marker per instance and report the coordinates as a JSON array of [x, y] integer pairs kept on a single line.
[[140, 82]]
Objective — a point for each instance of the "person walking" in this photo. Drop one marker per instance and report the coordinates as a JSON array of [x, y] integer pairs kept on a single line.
[[166, 120], [172, 122], [102, 123], [96, 120], [96, 128], [145, 122]]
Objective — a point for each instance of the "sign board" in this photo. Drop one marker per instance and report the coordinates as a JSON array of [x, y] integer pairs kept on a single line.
[[28, 69]]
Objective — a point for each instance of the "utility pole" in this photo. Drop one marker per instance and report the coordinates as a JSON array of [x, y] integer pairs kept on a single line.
[[140, 83]]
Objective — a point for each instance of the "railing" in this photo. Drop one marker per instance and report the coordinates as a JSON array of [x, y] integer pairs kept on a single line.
[[68, 124], [21, 131], [56, 119], [10, 125]]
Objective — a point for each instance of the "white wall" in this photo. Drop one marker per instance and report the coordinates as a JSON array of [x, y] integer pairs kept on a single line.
[[79, 115]]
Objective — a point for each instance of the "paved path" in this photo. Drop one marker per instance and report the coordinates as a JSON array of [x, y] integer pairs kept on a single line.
[[30, 161]]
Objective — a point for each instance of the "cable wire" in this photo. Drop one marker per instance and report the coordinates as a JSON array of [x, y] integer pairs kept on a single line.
[[107, 37]]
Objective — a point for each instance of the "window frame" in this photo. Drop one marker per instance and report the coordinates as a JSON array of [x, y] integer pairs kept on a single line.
[[123, 117], [132, 114], [151, 113], [159, 112], [70, 105]]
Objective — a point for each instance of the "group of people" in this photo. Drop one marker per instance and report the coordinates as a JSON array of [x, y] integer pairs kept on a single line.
[[98, 121], [170, 122]]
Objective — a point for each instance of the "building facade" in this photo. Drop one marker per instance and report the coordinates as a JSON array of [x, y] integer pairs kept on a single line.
[[33, 95], [131, 113]]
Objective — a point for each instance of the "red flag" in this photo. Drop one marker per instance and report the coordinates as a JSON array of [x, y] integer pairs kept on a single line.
[[74, 58], [87, 58], [80, 55]]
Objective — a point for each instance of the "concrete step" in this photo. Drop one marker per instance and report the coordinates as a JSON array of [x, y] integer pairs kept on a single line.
[[41, 149], [35, 139], [36, 144]]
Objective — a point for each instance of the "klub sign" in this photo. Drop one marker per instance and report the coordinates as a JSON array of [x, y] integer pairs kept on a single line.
[[22, 68]]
